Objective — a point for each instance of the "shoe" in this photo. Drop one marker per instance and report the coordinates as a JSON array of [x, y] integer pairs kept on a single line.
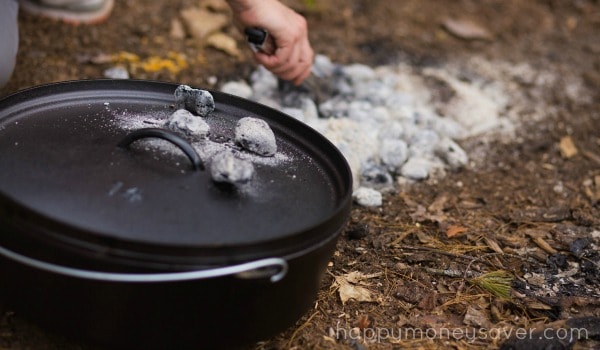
[[70, 11]]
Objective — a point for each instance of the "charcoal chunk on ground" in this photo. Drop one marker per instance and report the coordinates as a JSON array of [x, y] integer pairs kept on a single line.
[[196, 101], [256, 136], [184, 122], [225, 167]]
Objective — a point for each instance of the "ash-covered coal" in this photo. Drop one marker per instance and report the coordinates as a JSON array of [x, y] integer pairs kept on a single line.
[[231, 161], [225, 167], [192, 126], [196, 101], [256, 136], [399, 124]]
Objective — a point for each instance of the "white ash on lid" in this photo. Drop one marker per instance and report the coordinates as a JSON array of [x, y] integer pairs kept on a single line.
[[225, 167], [183, 121], [256, 136], [197, 101]]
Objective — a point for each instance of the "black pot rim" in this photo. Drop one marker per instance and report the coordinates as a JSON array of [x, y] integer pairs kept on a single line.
[[42, 237]]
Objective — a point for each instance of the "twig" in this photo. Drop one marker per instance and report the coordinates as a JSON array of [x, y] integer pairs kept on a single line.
[[433, 250], [304, 325], [449, 272]]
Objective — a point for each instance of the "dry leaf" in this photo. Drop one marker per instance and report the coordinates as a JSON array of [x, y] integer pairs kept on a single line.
[[544, 245], [537, 236], [455, 230], [348, 288], [476, 318], [424, 238], [439, 203], [466, 29], [493, 245], [567, 147], [421, 215], [349, 291]]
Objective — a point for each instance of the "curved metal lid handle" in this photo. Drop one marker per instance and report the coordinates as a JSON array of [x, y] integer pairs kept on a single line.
[[275, 269], [175, 139]]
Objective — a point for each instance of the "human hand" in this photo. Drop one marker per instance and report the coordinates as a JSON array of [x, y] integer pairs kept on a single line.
[[293, 56]]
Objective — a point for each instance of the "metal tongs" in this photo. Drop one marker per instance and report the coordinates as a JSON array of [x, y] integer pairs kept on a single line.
[[260, 40]]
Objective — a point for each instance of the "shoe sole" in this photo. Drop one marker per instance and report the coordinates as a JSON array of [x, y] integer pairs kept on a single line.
[[66, 16]]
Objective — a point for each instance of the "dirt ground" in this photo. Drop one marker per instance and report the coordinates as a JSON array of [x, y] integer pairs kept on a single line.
[[422, 261]]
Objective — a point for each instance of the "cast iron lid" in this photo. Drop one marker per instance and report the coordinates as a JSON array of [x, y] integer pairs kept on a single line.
[[66, 184]]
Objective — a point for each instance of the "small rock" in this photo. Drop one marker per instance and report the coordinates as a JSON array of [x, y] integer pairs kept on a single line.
[[377, 177], [448, 127], [451, 153], [336, 107], [322, 66], [578, 246], [375, 92], [188, 124], [416, 168], [256, 136], [392, 130], [237, 88], [465, 29], [368, 197], [292, 96], [225, 167], [116, 73], [358, 73], [194, 100], [212, 80], [310, 110], [423, 142], [360, 111], [295, 113], [358, 231], [263, 83], [393, 153]]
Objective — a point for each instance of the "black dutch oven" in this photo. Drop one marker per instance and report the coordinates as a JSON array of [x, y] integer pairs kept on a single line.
[[113, 241]]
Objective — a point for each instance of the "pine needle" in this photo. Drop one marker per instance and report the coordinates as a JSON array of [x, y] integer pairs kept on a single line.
[[496, 282]]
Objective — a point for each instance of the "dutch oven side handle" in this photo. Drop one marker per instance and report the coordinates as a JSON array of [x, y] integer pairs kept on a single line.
[[175, 139], [273, 268]]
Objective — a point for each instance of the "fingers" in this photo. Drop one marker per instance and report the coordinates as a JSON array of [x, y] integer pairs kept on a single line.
[[293, 57], [291, 61]]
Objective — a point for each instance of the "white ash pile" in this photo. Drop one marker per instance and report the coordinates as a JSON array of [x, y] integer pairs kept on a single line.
[[392, 123]]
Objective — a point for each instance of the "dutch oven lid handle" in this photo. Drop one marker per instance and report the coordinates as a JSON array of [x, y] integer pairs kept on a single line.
[[175, 139], [273, 268]]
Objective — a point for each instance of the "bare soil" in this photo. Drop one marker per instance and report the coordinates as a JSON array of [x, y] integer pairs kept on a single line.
[[527, 209]]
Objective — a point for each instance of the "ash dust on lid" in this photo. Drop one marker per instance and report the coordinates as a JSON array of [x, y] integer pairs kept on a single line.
[[60, 160]]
